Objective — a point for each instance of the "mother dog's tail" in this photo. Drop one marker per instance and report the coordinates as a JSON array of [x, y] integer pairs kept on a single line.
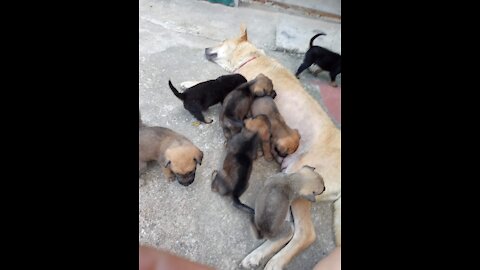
[[175, 92], [314, 37]]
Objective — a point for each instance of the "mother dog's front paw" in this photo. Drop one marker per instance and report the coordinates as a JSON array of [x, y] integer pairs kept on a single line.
[[252, 261], [274, 264]]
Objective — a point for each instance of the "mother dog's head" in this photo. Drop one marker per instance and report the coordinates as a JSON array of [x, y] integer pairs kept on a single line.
[[232, 53]]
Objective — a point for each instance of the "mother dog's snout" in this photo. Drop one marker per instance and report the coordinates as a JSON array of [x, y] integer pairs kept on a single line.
[[209, 55]]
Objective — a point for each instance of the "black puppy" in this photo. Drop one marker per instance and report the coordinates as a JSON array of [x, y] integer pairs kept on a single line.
[[325, 59], [237, 166], [201, 96]]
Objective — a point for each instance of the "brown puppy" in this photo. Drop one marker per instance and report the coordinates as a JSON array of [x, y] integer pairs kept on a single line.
[[236, 104], [237, 167], [285, 140], [177, 155], [261, 125]]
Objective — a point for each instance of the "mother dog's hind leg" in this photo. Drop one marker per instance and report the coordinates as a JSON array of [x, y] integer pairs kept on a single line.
[[303, 236], [269, 247]]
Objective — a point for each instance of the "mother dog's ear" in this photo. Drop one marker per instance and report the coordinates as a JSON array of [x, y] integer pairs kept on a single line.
[[243, 33], [198, 159]]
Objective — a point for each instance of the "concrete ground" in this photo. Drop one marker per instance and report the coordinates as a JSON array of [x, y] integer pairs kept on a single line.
[[192, 221]]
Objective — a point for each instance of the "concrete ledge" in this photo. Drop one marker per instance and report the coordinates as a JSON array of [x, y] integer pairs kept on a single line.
[[330, 10]]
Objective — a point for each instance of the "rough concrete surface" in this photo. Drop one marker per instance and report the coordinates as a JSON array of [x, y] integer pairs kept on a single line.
[[192, 221], [294, 36]]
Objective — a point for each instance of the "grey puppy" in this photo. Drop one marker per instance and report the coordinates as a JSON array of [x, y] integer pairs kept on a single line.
[[273, 202]]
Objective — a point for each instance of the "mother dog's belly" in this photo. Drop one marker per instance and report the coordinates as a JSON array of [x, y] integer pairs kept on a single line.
[[320, 139]]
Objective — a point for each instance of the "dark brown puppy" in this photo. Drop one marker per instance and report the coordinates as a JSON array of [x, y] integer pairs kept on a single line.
[[201, 96], [261, 125], [176, 154], [236, 105], [284, 140], [237, 166]]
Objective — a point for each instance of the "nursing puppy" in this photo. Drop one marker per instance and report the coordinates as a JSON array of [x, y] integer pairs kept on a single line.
[[261, 125], [325, 59], [237, 166], [236, 104], [274, 199], [201, 96], [177, 155], [284, 140]]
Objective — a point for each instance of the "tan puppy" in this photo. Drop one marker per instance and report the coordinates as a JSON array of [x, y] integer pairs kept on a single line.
[[176, 154], [285, 140], [319, 144], [273, 201], [236, 104], [261, 125]]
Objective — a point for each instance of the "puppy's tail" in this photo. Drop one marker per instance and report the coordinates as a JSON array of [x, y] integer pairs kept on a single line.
[[238, 204], [314, 37], [175, 92]]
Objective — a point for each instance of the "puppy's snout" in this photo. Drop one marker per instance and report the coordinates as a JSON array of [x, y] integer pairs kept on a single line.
[[209, 55], [280, 153], [186, 180], [274, 94]]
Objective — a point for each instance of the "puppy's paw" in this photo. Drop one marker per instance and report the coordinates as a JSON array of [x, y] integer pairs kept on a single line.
[[268, 157], [252, 261], [187, 84], [208, 120]]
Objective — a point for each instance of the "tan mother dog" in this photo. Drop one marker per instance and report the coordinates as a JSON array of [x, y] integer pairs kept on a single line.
[[319, 144]]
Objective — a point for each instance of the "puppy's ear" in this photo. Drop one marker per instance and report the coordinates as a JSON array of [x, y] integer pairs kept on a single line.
[[243, 32], [309, 197], [198, 159], [168, 163]]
